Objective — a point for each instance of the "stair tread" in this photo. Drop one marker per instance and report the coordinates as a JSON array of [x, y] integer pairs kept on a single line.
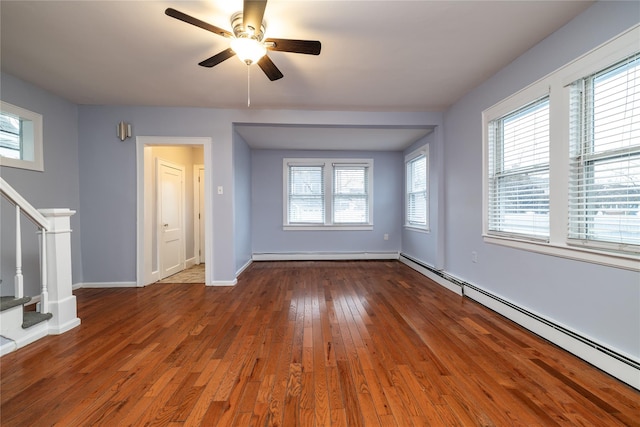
[[32, 318], [11, 301]]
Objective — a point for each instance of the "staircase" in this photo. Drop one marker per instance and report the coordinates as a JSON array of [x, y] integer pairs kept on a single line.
[[56, 308], [23, 325]]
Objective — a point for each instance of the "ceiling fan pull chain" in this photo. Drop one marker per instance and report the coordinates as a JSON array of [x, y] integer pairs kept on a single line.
[[248, 86]]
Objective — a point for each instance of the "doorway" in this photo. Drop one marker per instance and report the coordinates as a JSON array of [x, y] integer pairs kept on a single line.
[[151, 266]]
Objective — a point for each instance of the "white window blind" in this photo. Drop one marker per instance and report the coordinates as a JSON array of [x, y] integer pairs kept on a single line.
[[518, 178], [306, 195], [350, 197], [604, 189], [416, 209], [10, 136]]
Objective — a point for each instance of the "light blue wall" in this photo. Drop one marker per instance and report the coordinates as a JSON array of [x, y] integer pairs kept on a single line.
[[56, 187], [108, 175], [599, 302], [267, 206], [242, 200], [108, 184]]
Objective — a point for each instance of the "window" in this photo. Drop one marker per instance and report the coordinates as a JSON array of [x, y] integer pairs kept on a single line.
[[327, 193], [604, 192], [350, 194], [417, 187], [20, 138], [519, 172], [561, 160], [306, 195]]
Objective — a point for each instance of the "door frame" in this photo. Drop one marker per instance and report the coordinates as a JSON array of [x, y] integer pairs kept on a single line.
[[196, 211], [144, 271]]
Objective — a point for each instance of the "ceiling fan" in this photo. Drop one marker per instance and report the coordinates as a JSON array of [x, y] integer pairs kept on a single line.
[[247, 39]]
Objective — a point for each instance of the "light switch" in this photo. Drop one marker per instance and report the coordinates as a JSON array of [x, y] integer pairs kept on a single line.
[[220, 189]]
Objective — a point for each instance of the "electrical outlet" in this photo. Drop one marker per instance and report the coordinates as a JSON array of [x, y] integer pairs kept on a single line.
[[474, 256], [386, 237]]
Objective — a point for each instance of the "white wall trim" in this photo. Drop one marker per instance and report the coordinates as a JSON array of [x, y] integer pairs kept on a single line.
[[32, 334], [196, 212], [97, 285], [190, 262], [243, 268], [223, 283], [322, 256], [7, 347]]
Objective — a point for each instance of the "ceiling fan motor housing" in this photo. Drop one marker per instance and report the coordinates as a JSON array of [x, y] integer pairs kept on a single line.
[[240, 32]]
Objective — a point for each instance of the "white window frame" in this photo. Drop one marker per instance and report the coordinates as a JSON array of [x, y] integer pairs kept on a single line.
[[408, 160], [557, 85], [35, 142], [585, 159], [498, 174], [328, 178]]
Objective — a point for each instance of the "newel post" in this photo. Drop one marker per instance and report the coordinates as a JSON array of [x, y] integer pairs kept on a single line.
[[62, 302]]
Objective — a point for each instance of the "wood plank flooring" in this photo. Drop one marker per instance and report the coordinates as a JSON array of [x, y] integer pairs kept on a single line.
[[366, 343]]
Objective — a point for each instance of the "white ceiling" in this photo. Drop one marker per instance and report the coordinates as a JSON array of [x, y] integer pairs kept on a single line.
[[376, 55]]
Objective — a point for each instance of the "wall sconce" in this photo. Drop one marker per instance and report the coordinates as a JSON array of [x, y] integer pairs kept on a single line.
[[124, 130]]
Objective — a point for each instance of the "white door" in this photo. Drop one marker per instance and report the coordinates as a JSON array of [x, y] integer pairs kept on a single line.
[[170, 185], [201, 212]]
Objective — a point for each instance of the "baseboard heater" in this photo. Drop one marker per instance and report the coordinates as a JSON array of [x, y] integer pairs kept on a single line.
[[473, 292], [322, 256]]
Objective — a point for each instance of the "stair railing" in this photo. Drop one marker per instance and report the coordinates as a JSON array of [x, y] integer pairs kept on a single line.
[[23, 207]]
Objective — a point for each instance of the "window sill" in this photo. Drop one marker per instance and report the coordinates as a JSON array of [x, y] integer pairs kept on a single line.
[[611, 259], [417, 229], [316, 227]]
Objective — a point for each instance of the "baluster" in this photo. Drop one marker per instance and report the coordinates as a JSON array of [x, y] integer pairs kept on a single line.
[[18, 281], [44, 298]]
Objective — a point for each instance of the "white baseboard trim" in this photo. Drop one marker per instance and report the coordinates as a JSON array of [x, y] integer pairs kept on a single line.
[[190, 262], [223, 283], [7, 346], [32, 334], [624, 367], [105, 285], [243, 268], [324, 256], [61, 329]]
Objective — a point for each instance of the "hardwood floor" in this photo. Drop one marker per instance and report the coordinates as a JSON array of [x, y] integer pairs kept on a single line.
[[303, 343]]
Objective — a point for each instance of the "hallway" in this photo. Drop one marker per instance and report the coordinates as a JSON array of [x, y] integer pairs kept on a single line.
[[194, 274]]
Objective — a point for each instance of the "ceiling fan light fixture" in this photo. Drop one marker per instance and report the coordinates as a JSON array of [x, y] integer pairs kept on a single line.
[[248, 50]]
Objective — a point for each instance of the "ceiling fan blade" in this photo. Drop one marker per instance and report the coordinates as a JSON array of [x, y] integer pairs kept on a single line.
[[252, 14], [218, 58], [269, 68], [198, 23], [308, 47]]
